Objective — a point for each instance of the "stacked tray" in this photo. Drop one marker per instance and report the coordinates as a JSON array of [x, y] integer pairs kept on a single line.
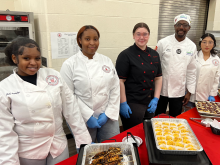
[[208, 109], [175, 136]]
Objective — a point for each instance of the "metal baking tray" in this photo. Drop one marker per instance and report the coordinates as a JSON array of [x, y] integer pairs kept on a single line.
[[155, 157], [177, 152], [127, 149], [206, 113]]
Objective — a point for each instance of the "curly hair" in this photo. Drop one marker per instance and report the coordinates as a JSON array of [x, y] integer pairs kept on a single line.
[[16, 47]]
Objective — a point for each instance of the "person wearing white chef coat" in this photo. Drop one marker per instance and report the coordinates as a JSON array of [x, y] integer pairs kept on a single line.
[[32, 103], [177, 54], [208, 70], [93, 80]]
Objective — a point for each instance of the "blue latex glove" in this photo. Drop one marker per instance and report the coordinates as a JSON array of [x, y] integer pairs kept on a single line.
[[102, 119], [211, 98], [153, 105], [125, 110], [93, 123]]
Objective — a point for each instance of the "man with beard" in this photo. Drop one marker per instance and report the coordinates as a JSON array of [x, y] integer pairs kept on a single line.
[[177, 55]]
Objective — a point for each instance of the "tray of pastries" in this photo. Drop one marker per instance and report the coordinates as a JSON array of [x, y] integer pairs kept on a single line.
[[208, 108], [175, 136]]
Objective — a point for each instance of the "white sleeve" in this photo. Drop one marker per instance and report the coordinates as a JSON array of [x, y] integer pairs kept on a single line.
[[73, 116], [159, 49], [191, 74], [8, 138], [112, 110], [214, 89], [67, 75]]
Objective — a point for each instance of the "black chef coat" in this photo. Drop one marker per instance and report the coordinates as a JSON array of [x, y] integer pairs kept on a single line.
[[139, 68]]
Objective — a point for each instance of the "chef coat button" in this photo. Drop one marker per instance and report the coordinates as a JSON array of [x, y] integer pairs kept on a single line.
[[94, 95], [37, 123], [142, 63], [33, 111], [151, 63], [139, 55], [152, 71], [152, 80], [144, 72], [48, 106], [143, 89], [144, 81], [28, 95], [150, 88]]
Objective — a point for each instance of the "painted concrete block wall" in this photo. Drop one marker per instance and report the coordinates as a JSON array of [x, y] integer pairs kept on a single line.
[[7, 4], [114, 19], [213, 22]]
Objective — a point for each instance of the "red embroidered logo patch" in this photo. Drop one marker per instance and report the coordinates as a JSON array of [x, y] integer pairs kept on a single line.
[[215, 62], [52, 80], [106, 69]]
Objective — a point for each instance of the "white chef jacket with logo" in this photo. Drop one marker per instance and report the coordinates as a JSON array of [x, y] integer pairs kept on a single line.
[[207, 77], [178, 66], [95, 84], [31, 117]]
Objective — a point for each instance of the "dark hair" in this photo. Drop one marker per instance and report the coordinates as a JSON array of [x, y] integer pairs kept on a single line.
[[17, 46], [213, 51], [81, 31], [139, 25]]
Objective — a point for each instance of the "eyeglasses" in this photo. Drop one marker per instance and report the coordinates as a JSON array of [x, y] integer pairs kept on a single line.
[[184, 25], [145, 35], [209, 43]]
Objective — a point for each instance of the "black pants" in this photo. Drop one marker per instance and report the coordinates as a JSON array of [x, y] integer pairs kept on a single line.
[[175, 105], [139, 112]]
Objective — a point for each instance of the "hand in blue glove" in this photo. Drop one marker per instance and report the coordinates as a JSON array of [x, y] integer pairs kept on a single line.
[[125, 110], [211, 98], [102, 119], [153, 105], [93, 123]]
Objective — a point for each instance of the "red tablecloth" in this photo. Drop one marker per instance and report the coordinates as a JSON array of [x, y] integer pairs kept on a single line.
[[209, 141]]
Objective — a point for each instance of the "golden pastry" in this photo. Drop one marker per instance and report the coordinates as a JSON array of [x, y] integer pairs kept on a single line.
[[166, 133], [186, 141], [171, 148], [161, 142], [179, 144], [158, 129], [169, 138], [191, 149], [172, 124], [165, 126], [166, 130], [189, 146], [163, 147], [169, 142], [161, 138], [158, 133], [177, 139], [175, 131], [172, 128], [165, 123], [176, 135]]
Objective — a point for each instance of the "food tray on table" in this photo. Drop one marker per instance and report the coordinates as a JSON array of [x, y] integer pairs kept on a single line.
[[129, 152], [158, 158], [208, 108], [175, 136]]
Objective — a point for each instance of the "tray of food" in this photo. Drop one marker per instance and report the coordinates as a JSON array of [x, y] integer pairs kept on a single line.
[[155, 157], [208, 108], [175, 136], [109, 153]]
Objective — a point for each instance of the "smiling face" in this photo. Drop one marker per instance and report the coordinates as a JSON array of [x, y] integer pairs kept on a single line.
[[29, 62], [141, 37], [207, 44], [181, 29], [89, 42]]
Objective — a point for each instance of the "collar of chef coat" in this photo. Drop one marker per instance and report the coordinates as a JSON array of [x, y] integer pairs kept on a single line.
[[28, 87], [85, 58], [177, 42], [201, 60]]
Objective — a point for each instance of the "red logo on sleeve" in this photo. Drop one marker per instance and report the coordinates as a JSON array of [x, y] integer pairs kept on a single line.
[[106, 69], [156, 48]]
